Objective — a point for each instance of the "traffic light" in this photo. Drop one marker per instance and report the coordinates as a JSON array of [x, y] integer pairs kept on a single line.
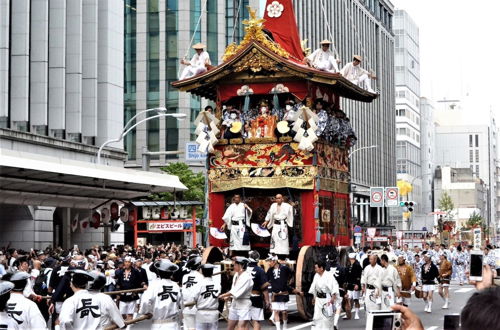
[[408, 205]]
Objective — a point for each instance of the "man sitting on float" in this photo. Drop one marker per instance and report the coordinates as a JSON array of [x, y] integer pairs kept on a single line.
[[198, 63], [323, 58], [353, 72]]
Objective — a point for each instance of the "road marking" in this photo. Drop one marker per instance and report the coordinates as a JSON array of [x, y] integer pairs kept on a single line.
[[305, 325], [432, 328], [464, 290]]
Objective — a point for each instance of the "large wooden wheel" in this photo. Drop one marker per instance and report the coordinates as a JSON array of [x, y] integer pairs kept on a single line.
[[304, 275]]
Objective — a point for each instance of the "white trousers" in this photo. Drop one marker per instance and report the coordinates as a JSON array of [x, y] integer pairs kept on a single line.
[[364, 82], [388, 299], [191, 71], [327, 66], [371, 304]]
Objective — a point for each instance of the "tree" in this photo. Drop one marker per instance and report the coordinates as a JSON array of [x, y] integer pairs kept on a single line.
[[475, 220], [446, 205], [195, 182]]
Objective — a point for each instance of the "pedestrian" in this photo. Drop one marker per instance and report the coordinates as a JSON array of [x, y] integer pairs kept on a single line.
[[207, 300], [189, 289], [6, 322], [371, 283], [21, 309], [163, 298], [459, 264], [278, 276], [81, 310], [260, 294], [110, 312], [390, 283], [128, 278], [408, 279], [240, 292], [429, 275], [339, 273], [445, 272], [353, 280], [417, 267], [324, 288]]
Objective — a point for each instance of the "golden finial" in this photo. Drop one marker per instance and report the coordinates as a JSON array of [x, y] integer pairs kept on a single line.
[[254, 21]]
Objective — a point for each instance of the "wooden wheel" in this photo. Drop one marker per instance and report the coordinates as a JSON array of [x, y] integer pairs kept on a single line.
[[303, 279], [212, 255]]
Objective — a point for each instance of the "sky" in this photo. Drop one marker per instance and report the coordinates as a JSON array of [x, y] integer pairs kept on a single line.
[[459, 47]]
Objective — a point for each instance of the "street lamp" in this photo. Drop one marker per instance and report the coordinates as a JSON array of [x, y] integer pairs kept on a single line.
[[362, 148], [126, 129]]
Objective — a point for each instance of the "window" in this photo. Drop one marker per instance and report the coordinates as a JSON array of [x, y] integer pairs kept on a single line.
[[477, 140], [477, 156], [470, 141], [471, 156], [477, 171]]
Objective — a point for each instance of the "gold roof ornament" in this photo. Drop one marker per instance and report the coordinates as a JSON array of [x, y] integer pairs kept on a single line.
[[254, 32]]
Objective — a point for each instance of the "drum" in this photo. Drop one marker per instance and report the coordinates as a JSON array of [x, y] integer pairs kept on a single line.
[[406, 294], [283, 127], [236, 127], [418, 292]]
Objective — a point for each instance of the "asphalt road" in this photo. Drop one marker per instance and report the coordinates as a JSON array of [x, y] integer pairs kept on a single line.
[[432, 321]]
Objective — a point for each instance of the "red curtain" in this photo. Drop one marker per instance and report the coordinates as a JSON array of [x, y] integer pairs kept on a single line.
[[216, 211], [308, 225]]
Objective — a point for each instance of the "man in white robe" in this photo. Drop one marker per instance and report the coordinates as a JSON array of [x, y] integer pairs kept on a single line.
[[325, 290], [371, 283], [390, 283], [323, 58], [198, 63], [279, 218], [237, 219], [353, 72]]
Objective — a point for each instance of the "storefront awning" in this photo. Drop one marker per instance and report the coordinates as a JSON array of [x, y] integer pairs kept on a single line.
[[29, 179]]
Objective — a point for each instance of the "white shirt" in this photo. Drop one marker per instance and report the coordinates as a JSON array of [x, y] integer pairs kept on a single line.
[[372, 276], [80, 311], [6, 322], [190, 289], [319, 58], [109, 310], [236, 212], [283, 212], [201, 59], [25, 312], [163, 299], [325, 283], [390, 277], [352, 72], [207, 294], [241, 290], [151, 276]]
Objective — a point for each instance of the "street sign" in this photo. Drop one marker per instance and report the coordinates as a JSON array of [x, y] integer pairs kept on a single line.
[[358, 234], [376, 196], [358, 229], [477, 238], [399, 234], [371, 232], [392, 196], [192, 153]]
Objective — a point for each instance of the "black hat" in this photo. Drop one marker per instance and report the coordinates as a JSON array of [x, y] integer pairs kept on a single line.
[[99, 280], [165, 265], [194, 263], [253, 256], [80, 277], [207, 266], [241, 261]]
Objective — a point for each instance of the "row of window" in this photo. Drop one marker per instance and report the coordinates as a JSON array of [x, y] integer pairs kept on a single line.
[[409, 132], [472, 139], [409, 114], [406, 94], [471, 156]]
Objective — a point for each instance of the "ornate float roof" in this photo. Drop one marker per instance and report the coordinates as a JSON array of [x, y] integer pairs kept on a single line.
[[257, 59]]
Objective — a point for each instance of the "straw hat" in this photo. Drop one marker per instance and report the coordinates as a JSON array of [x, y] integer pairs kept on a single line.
[[357, 57], [199, 46], [325, 42]]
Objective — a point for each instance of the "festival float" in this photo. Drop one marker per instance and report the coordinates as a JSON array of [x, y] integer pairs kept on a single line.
[[278, 151]]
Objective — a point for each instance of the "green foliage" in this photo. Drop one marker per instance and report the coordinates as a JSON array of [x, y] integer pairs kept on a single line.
[[446, 204], [476, 221], [195, 182]]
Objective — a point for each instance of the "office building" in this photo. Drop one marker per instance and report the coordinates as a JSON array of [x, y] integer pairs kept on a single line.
[[364, 28], [427, 154], [61, 97]]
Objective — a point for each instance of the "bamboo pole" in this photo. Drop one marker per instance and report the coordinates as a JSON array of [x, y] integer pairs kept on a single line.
[[133, 321]]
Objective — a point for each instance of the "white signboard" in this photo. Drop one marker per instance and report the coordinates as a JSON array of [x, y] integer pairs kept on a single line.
[[377, 239], [376, 196], [371, 232], [392, 196], [399, 234], [477, 238], [165, 226], [192, 153]]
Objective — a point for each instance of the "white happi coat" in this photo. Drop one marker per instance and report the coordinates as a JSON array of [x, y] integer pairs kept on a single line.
[[25, 312], [372, 276], [357, 75], [327, 284], [241, 291], [284, 215], [190, 283], [6, 322], [109, 311], [207, 301], [392, 280], [80, 311], [163, 300], [324, 61], [196, 65], [238, 213]]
